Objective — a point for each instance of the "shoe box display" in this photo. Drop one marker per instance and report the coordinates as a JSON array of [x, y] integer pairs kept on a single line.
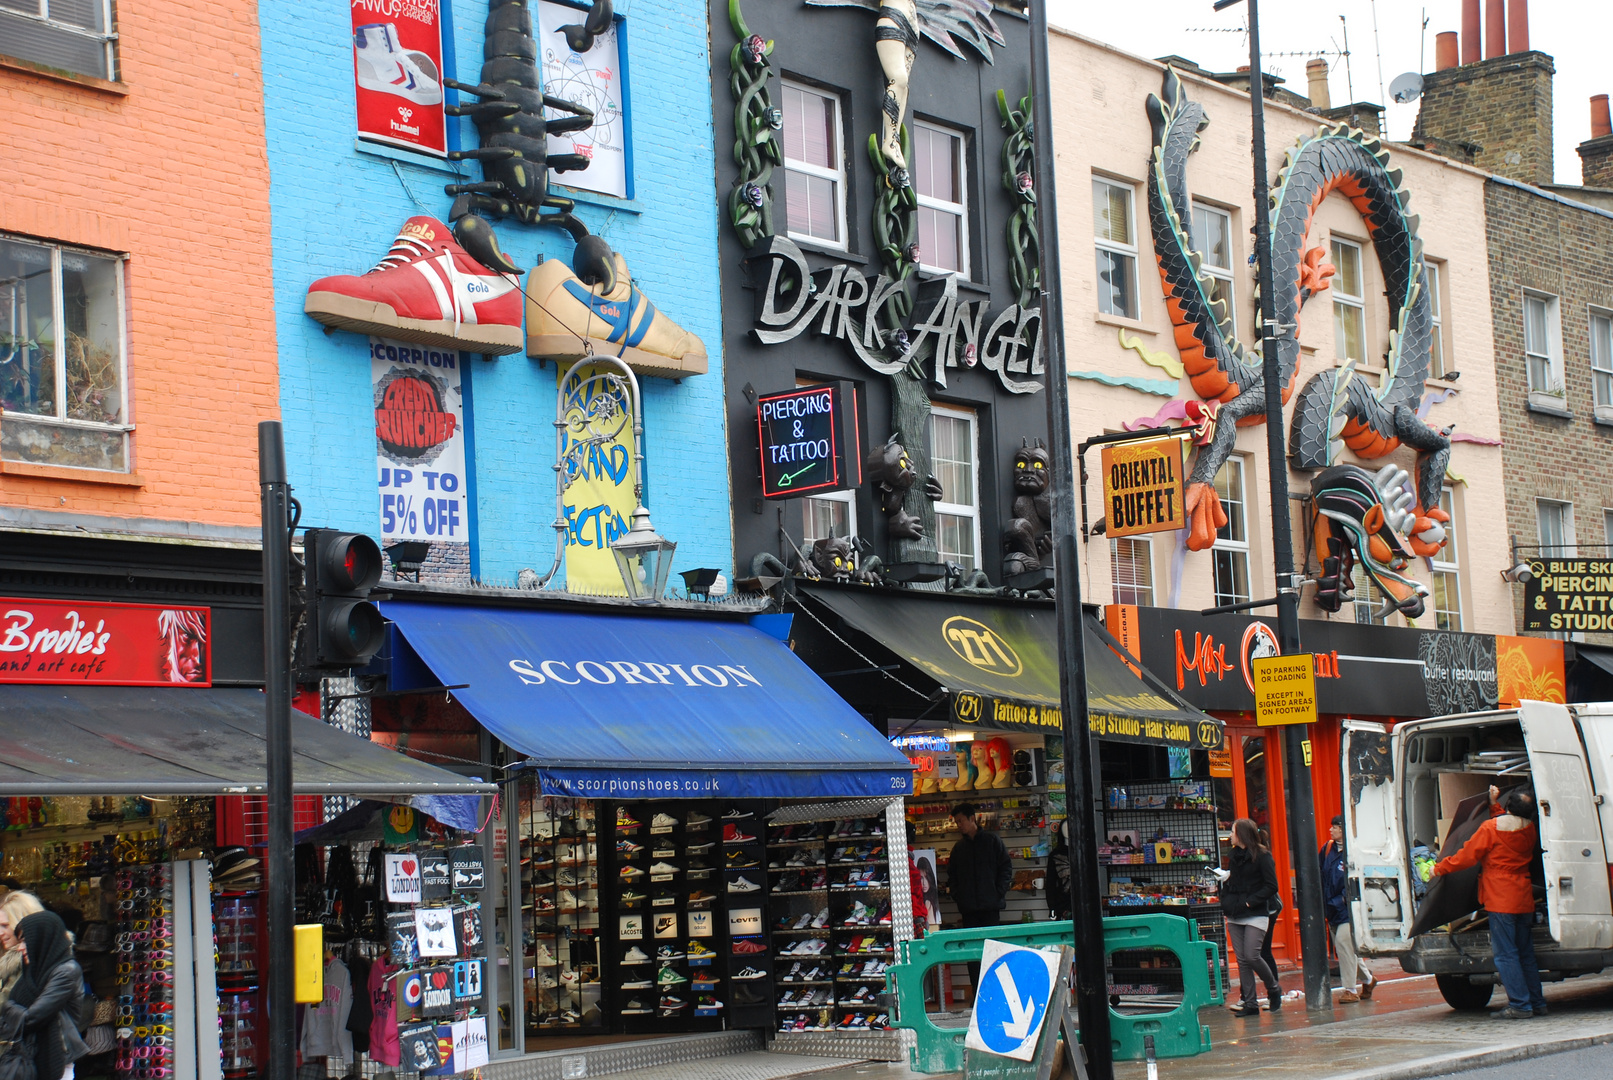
[[560, 865], [829, 887]]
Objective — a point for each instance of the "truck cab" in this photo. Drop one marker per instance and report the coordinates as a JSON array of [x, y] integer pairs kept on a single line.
[[1402, 790]]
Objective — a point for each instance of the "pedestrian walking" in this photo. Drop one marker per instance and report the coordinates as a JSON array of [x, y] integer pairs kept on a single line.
[[1246, 897], [44, 1006], [1056, 883], [1504, 849], [979, 872], [16, 907], [1336, 906]]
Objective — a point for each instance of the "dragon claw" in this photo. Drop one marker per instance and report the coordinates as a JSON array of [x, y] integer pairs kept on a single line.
[[1428, 534], [1204, 515]]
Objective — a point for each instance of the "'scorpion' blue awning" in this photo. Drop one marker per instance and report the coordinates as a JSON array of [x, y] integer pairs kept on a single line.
[[639, 706]]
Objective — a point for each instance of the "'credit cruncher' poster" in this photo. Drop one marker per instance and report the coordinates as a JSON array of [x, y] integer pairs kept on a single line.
[[419, 442]]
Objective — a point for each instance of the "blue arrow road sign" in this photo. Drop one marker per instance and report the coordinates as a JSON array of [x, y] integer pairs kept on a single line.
[[1014, 991]]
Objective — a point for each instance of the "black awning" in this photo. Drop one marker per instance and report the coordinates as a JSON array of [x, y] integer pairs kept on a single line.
[[118, 740], [998, 660]]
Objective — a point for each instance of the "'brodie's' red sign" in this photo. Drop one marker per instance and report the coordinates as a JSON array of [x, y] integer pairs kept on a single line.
[[59, 641]]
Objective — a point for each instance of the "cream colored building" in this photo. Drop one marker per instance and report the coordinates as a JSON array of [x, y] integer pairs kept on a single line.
[[1102, 135]]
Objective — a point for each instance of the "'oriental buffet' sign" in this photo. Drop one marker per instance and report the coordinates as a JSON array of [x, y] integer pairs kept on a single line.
[[839, 302], [57, 641]]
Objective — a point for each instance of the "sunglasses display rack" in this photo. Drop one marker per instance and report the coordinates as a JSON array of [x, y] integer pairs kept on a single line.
[[560, 867], [238, 927], [145, 946]]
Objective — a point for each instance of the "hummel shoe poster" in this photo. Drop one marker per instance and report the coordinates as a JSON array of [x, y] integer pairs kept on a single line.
[[397, 71]]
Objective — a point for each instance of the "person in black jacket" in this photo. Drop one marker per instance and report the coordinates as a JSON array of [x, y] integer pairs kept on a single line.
[[1057, 882], [45, 1003], [979, 872], [1246, 897]]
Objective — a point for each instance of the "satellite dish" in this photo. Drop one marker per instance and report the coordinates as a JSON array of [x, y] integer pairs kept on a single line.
[[1406, 88]]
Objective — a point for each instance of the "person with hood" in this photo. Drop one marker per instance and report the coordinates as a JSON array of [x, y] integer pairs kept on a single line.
[[1336, 906], [45, 1003], [1246, 895], [1504, 849], [16, 907], [1057, 882]]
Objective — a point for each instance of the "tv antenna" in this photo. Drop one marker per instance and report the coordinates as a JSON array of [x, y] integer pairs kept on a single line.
[[1377, 49]]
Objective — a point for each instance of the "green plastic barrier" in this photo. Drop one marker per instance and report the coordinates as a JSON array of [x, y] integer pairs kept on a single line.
[[1177, 1033]]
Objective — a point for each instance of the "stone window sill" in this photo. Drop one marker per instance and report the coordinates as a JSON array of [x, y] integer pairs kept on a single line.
[[90, 81], [1603, 415], [1549, 405], [1121, 321], [62, 472]]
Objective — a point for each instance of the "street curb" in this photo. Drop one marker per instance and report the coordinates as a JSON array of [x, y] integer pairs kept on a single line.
[[1462, 1062]]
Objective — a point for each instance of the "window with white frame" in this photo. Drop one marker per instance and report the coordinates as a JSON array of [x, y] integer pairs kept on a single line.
[[1555, 521], [1131, 569], [832, 513], [1437, 366], [1231, 551], [955, 462], [1607, 529], [1540, 335], [1115, 226], [1602, 357], [69, 35], [941, 184], [1212, 238], [62, 383], [1447, 574], [814, 166], [1349, 303], [1368, 598]]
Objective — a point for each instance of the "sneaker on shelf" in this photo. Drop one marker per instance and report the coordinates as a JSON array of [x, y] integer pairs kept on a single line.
[[700, 849], [826, 1020], [670, 1004], [845, 1021], [634, 1007], [884, 916], [566, 879], [547, 981], [749, 974], [543, 903], [635, 955], [543, 957], [542, 881], [802, 923], [821, 880], [700, 898], [705, 981], [741, 860], [663, 821], [625, 846], [859, 1022], [631, 896], [734, 813], [848, 969], [629, 872], [742, 885], [669, 952], [639, 984], [793, 975], [625, 820], [868, 970], [671, 977], [426, 289], [816, 974], [801, 858], [733, 834], [820, 920], [697, 950], [748, 946], [696, 821], [542, 860], [748, 995], [568, 900], [706, 1001], [786, 999], [879, 1021], [663, 868]]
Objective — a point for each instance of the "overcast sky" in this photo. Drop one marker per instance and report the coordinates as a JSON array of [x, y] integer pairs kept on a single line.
[[1576, 33]]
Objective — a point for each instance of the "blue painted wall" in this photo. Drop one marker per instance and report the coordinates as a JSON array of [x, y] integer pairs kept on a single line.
[[337, 207]]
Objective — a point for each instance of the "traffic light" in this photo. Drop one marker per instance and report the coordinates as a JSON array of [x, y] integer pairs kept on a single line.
[[343, 629]]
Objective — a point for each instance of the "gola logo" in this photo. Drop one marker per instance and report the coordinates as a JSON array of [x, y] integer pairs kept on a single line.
[[419, 232], [610, 311], [475, 287]]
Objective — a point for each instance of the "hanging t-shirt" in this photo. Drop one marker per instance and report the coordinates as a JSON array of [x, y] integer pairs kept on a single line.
[[383, 999], [324, 1026], [361, 1015]]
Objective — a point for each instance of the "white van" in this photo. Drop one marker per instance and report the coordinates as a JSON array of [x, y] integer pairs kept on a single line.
[[1400, 793]]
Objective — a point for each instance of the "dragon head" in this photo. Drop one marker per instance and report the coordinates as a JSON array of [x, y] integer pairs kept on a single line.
[[1365, 517]]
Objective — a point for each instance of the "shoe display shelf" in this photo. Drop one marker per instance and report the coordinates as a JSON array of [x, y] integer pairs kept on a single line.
[[560, 909]]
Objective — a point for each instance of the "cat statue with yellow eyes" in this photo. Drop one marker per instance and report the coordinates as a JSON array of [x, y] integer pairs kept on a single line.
[[1028, 536]]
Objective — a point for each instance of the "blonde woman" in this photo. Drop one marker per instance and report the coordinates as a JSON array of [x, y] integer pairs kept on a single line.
[[16, 907]]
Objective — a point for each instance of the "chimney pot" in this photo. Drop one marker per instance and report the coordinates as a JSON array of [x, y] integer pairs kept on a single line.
[[1517, 26], [1316, 74], [1495, 29], [1445, 50], [1470, 32], [1601, 120]]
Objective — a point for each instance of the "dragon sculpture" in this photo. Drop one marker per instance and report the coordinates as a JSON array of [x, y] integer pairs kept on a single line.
[[1336, 408]]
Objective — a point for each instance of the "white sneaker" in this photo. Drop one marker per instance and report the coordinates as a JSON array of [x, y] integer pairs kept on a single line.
[[636, 955], [544, 957], [663, 821], [547, 981], [750, 973], [741, 884], [821, 920], [639, 984], [568, 900], [663, 868], [384, 65]]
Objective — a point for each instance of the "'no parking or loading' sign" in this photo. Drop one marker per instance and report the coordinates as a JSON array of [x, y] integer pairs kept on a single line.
[[1016, 985]]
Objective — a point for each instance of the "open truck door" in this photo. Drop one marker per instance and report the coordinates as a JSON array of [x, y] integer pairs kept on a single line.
[[1577, 890], [1379, 891]]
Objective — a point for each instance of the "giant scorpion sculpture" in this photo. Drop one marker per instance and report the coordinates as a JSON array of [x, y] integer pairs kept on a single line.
[[514, 142], [1335, 409]]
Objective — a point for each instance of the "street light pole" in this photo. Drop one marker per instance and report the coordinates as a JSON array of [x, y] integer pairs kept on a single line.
[[1081, 772], [277, 729], [1301, 806]]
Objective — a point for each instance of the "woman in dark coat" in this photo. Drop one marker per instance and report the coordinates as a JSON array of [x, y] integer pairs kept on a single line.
[[1245, 900], [45, 1003], [1056, 884]]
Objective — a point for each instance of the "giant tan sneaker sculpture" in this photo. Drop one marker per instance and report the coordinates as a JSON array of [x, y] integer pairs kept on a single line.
[[562, 313]]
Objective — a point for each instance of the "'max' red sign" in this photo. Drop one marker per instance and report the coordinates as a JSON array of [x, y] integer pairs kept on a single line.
[[61, 641]]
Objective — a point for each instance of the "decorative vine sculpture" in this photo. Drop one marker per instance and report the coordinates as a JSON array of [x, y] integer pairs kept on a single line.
[[1019, 180], [895, 223], [756, 125]]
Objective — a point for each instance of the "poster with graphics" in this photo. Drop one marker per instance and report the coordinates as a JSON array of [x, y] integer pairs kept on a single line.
[[594, 81], [419, 442], [598, 463], [397, 73], [61, 641]]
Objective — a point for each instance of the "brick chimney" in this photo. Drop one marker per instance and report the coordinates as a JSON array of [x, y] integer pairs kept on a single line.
[[1316, 74], [1493, 113], [1596, 153]]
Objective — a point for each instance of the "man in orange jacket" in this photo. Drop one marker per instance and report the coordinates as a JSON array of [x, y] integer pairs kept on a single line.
[[1504, 849]]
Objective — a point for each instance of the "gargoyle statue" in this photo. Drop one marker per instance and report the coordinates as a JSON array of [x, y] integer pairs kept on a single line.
[[891, 472], [834, 558], [1028, 536]]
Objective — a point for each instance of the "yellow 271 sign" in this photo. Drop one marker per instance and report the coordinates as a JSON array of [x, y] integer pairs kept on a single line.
[[1142, 486]]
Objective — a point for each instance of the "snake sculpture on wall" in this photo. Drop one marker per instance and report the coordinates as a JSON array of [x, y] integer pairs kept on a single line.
[[1337, 408]]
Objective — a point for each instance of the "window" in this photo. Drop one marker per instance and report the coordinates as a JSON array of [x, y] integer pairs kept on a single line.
[[941, 184], [1368, 597], [1231, 550], [814, 167], [1602, 358], [1447, 579], [1349, 304], [1131, 566], [957, 512], [1539, 332], [833, 513], [1212, 237], [1607, 529], [61, 357], [1556, 523], [70, 35], [1117, 248], [1436, 351]]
